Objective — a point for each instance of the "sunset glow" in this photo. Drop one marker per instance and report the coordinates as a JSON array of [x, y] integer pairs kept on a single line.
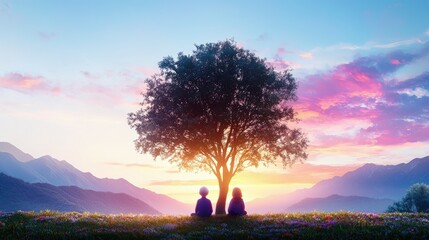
[[72, 71]]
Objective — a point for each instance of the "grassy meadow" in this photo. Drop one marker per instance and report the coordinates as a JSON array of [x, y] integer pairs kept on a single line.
[[341, 225]]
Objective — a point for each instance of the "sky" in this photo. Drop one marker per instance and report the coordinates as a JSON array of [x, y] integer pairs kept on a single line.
[[71, 71]]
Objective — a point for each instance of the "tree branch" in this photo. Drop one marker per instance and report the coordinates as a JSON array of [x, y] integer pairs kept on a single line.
[[211, 163]]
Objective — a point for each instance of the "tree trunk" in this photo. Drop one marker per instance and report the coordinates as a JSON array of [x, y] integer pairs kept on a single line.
[[223, 193]]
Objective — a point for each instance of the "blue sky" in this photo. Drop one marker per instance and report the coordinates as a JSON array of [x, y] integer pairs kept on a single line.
[[72, 70], [100, 35]]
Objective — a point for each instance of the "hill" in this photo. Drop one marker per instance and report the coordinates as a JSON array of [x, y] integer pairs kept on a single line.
[[16, 195], [14, 151], [370, 180], [47, 169], [335, 203]]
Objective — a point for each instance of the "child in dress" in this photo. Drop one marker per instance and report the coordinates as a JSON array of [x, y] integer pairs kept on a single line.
[[204, 205], [236, 205]]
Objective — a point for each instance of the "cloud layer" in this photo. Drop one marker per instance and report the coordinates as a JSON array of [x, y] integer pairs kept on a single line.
[[361, 103], [298, 174], [27, 83]]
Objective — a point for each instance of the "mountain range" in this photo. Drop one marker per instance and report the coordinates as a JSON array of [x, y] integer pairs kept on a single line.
[[16, 194], [371, 181], [46, 169], [14, 151], [370, 188], [335, 203]]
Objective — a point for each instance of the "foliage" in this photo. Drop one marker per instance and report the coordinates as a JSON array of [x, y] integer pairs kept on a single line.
[[341, 225], [220, 109], [416, 200]]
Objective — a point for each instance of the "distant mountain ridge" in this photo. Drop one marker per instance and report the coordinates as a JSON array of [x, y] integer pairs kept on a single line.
[[60, 173], [14, 151], [335, 203], [16, 194], [370, 180]]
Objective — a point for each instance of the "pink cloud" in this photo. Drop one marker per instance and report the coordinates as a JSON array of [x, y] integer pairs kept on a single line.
[[394, 132], [136, 88], [93, 92], [107, 95], [306, 55], [131, 87], [344, 86], [279, 63], [354, 103], [395, 61], [101, 94], [27, 83], [282, 65], [281, 51]]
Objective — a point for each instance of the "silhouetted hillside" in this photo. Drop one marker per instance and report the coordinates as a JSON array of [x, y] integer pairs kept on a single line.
[[370, 180], [336, 203], [60, 173], [16, 194]]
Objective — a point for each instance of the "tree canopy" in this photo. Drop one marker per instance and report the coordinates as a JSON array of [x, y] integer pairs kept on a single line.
[[416, 200], [219, 109]]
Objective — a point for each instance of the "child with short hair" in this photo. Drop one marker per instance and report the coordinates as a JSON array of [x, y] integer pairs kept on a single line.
[[236, 205], [204, 205]]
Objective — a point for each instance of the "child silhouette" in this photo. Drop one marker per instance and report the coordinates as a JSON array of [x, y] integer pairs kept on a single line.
[[204, 205], [236, 205]]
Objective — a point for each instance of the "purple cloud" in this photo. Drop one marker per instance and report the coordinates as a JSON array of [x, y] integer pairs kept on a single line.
[[397, 111]]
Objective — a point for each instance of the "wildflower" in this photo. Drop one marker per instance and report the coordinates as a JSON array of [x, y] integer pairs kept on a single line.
[[150, 231], [169, 226]]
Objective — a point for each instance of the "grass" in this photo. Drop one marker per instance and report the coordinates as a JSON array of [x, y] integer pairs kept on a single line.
[[341, 225]]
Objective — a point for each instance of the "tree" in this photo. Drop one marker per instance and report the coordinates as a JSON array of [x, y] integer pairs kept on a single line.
[[416, 200], [220, 109]]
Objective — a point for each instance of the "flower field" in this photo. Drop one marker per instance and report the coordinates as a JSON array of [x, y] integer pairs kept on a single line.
[[341, 225]]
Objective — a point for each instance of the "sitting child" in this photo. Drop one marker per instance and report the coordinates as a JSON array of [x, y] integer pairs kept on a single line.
[[204, 206], [236, 206]]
